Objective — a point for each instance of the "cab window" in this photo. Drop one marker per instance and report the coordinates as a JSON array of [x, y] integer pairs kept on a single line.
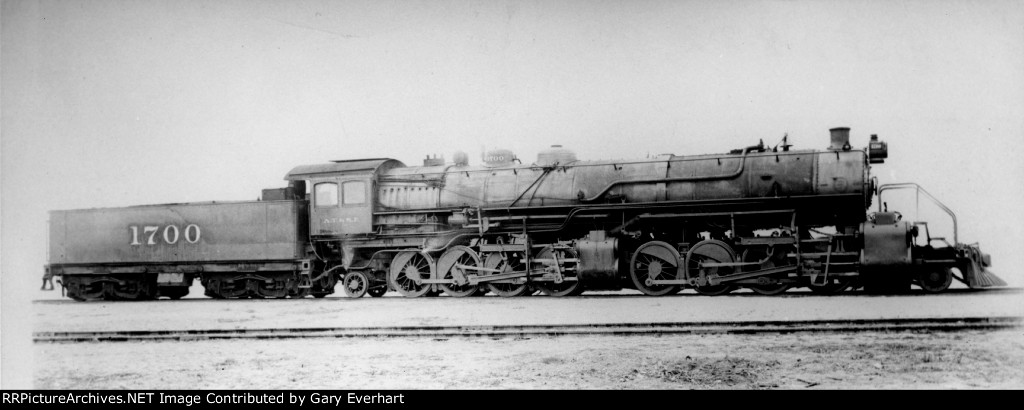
[[326, 194], [354, 193]]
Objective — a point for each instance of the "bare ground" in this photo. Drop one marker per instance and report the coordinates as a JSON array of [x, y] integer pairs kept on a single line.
[[620, 307], [869, 360]]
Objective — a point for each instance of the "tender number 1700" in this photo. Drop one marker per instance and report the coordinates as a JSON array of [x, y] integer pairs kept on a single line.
[[170, 235]]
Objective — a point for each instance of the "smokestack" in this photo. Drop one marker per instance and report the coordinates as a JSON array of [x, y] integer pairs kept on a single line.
[[840, 139]]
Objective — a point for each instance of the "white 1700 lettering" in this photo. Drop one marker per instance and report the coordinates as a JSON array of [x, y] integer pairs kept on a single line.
[[170, 235]]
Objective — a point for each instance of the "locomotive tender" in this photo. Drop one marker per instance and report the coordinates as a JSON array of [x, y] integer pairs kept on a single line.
[[766, 219]]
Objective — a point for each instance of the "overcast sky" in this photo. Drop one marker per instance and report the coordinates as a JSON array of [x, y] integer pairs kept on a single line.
[[119, 103]]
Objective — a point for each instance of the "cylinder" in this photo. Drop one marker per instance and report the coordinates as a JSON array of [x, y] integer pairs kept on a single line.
[[840, 139]]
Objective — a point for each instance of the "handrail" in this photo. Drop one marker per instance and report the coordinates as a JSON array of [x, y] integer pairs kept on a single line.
[[920, 190]]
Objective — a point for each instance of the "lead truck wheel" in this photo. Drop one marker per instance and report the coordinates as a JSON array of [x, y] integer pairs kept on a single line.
[[935, 280]]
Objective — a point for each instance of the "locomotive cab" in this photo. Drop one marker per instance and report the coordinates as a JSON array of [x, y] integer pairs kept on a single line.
[[340, 206], [342, 199]]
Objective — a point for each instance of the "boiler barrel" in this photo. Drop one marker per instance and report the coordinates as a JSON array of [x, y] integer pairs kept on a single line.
[[677, 178]]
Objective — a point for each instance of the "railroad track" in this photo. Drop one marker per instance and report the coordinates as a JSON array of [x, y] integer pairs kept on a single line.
[[625, 329], [594, 295]]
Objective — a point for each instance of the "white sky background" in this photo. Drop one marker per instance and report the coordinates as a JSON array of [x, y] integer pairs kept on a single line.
[[118, 103]]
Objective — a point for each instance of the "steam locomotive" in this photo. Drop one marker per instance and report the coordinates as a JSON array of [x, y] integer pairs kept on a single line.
[[762, 218]]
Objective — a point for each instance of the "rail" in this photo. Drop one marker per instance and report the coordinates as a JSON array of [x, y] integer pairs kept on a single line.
[[619, 329], [920, 190]]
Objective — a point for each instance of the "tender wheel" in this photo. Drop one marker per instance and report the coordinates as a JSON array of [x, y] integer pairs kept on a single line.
[[757, 254], [142, 287], [710, 251], [298, 289], [569, 270], [510, 263], [355, 284], [655, 260], [406, 269], [80, 291], [282, 286], [449, 263], [211, 288], [935, 280]]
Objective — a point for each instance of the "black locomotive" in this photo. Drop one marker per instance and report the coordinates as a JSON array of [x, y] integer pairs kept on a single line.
[[763, 218]]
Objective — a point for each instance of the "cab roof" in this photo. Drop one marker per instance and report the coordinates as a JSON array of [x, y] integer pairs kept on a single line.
[[354, 166]]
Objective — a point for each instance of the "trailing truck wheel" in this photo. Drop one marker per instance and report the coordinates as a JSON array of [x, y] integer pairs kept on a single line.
[[710, 251], [655, 260], [449, 264], [935, 280], [355, 284], [407, 269], [569, 270]]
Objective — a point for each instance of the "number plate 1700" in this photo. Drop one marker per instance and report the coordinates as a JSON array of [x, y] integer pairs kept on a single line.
[[170, 235]]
